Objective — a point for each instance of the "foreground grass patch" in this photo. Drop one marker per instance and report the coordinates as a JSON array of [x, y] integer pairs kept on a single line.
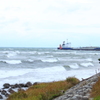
[[95, 93], [44, 91]]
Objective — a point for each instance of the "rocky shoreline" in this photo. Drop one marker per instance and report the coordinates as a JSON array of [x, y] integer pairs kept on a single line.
[[80, 91], [8, 89]]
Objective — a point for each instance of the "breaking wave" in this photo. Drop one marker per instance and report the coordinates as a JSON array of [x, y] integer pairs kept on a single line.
[[49, 60], [72, 66], [86, 64], [76, 66], [11, 61]]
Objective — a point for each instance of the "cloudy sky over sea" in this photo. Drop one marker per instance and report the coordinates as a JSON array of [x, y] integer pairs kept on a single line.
[[46, 23]]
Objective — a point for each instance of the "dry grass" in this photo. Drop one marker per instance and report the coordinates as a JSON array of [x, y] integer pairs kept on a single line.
[[95, 93], [44, 91]]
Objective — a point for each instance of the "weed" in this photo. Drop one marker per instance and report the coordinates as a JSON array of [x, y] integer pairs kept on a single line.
[[44, 91]]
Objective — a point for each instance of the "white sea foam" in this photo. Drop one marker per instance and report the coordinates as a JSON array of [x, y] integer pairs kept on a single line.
[[87, 64], [89, 59], [74, 66], [10, 73], [49, 60], [32, 52], [33, 75], [30, 60], [11, 54], [43, 53], [48, 74], [13, 61]]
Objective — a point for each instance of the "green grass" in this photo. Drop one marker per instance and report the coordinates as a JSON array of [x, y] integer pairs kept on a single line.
[[97, 98], [45, 91], [95, 93]]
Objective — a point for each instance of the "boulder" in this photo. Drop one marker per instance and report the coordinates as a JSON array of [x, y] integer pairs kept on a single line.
[[3, 92], [15, 86], [11, 90], [6, 95], [28, 84], [1, 97], [6, 85], [35, 83], [21, 85]]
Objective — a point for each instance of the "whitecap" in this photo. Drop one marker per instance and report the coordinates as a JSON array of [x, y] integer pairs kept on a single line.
[[89, 59], [18, 52], [11, 54], [86, 64], [40, 53], [30, 60], [74, 66], [31, 52], [13, 61], [49, 60]]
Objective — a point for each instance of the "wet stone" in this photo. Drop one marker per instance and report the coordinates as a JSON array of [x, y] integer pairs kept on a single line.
[[1, 97], [6, 95], [11, 90], [3, 92], [6, 85], [15, 86], [85, 98], [28, 84], [22, 85]]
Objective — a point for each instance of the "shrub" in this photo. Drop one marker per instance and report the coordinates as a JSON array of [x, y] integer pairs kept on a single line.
[[72, 80], [20, 95]]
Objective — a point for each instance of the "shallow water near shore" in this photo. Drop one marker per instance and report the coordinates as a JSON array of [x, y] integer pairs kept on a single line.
[[20, 65]]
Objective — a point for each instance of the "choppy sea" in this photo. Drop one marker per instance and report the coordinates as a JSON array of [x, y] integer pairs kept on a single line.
[[20, 65]]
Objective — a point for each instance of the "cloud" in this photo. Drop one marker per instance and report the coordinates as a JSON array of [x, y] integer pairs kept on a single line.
[[46, 20]]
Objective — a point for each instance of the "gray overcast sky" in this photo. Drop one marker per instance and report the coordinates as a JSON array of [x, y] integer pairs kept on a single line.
[[46, 23]]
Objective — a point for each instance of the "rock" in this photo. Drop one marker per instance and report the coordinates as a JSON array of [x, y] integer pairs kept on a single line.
[[6, 85], [85, 98], [3, 92], [92, 83], [11, 90], [79, 97], [22, 85], [35, 83], [6, 95], [15, 86], [28, 84], [80, 91], [1, 97], [74, 98]]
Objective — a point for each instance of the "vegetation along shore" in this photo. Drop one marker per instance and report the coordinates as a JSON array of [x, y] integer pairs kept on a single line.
[[38, 91], [69, 89]]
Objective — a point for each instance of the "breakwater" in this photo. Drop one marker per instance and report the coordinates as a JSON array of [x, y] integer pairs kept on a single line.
[[80, 91]]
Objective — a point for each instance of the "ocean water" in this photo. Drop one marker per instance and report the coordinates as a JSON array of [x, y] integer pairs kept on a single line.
[[20, 65]]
